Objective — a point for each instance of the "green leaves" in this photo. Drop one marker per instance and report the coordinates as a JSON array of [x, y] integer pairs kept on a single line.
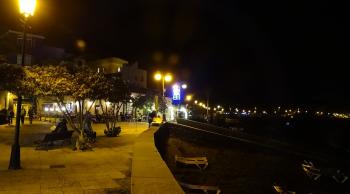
[[77, 82], [14, 79]]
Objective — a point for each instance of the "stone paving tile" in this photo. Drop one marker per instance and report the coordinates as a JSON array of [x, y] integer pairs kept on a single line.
[[69, 190], [35, 188], [155, 186], [54, 190], [94, 191], [83, 172], [18, 192]]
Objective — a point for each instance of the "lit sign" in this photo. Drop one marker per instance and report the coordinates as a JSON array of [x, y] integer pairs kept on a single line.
[[176, 93]]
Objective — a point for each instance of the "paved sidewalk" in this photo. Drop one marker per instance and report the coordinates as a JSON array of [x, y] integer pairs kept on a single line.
[[106, 169]]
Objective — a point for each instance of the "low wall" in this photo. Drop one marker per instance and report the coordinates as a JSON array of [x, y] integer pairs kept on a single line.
[[150, 174]]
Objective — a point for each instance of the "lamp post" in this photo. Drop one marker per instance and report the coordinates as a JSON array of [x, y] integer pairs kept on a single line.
[[164, 78], [27, 8]]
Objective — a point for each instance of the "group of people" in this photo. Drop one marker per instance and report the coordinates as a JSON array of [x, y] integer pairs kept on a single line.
[[11, 115]]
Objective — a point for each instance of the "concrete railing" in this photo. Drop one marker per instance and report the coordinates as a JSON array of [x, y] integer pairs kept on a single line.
[[149, 172]]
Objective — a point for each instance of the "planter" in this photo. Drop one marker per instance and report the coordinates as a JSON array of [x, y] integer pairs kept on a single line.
[[113, 132]]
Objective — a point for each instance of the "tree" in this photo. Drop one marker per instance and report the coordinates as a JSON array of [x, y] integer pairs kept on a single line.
[[146, 103], [76, 82], [14, 79], [111, 97]]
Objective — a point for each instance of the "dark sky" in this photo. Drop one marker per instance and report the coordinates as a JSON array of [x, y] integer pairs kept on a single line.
[[240, 51]]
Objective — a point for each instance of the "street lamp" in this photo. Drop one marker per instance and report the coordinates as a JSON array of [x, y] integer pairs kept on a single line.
[[184, 86], [188, 98], [164, 78], [26, 8]]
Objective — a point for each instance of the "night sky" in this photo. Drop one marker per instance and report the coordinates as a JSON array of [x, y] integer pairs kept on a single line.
[[249, 52]]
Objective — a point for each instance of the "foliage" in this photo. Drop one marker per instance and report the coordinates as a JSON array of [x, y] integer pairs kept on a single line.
[[14, 79], [162, 104], [79, 83], [143, 102], [147, 101], [50, 81], [111, 97]]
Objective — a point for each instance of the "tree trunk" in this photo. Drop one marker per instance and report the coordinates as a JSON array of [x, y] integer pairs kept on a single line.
[[105, 114]]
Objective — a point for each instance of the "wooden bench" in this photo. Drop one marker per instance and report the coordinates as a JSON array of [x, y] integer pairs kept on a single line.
[[50, 138], [200, 162], [204, 188]]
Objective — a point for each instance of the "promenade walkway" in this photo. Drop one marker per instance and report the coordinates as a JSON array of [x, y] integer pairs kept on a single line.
[[106, 169]]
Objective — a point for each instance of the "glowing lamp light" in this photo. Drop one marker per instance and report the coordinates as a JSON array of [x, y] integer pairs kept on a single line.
[[184, 86], [46, 109], [188, 98], [196, 101], [158, 76], [168, 78], [81, 44], [219, 106], [27, 7], [52, 109]]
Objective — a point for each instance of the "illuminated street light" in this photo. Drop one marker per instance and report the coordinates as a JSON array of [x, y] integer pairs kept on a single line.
[[219, 106], [26, 8], [158, 76], [164, 78], [196, 101], [184, 86], [168, 78], [188, 98]]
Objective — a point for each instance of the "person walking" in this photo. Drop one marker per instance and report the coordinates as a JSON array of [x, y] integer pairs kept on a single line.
[[11, 116], [31, 115], [23, 115], [151, 115]]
